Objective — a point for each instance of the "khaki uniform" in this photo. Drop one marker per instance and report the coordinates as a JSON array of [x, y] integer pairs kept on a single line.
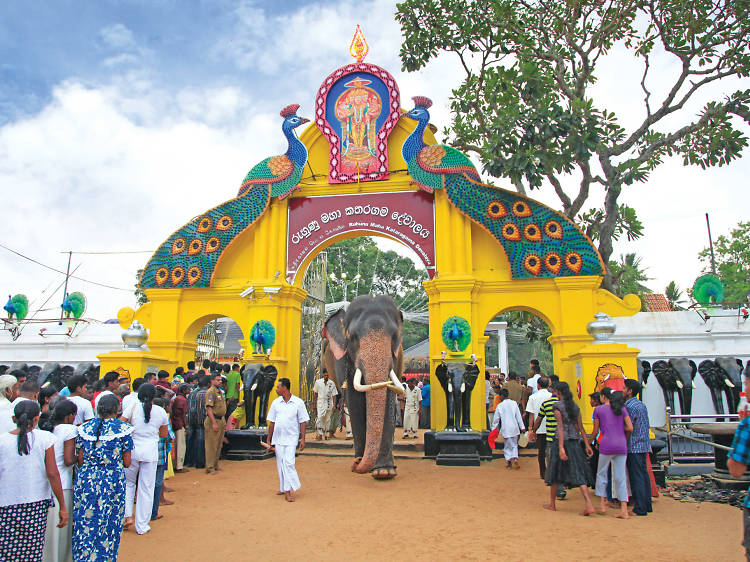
[[214, 439]]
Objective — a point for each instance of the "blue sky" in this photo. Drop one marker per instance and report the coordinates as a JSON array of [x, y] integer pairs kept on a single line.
[[119, 121]]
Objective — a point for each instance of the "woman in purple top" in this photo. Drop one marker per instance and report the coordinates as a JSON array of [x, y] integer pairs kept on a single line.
[[612, 419]]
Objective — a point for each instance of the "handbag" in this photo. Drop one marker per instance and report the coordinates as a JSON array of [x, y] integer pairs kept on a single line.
[[523, 439]]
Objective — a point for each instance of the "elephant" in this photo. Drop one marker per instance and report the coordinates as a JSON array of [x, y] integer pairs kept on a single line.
[[365, 341], [457, 380], [674, 381], [724, 375], [644, 370], [51, 373], [258, 382]]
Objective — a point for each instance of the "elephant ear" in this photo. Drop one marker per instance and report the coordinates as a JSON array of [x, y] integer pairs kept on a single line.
[[441, 372], [661, 368], [333, 331], [693, 368], [707, 368]]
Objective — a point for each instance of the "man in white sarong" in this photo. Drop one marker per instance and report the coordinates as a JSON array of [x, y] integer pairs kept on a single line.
[[325, 393], [286, 426], [411, 409], [508, 417]]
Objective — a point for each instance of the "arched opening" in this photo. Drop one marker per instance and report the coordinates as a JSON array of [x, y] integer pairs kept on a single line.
[[217, 338]]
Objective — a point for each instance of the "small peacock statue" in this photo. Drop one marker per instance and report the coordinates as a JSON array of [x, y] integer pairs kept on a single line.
[[17, 306], [263, 336], [188, 257], [538, 241], [73, 305]]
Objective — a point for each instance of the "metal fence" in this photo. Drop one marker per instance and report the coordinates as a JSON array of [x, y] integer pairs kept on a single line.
[[685, 442]]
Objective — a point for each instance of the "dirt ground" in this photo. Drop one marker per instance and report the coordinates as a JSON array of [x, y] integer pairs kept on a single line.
[[427, 512]]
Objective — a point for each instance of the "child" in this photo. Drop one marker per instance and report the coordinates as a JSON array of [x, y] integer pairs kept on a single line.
[[508, 418]]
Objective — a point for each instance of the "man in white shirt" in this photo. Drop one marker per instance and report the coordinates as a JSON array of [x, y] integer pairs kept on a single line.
[[7, 394], [112, 384], [540, 436], [286, 426], [78, 390], [508, 418], [411, 409], [324, 393], [132, 398], [534, 374]]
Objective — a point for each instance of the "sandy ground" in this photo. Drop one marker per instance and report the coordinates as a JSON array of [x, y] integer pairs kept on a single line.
[[427, 512]]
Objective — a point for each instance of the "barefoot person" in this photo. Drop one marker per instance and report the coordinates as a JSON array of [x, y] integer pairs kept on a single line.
[[508, 419], [567, 464], [613, 420], [286, 426]]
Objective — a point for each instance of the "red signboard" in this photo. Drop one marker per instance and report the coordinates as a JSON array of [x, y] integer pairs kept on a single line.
[[405, 216]]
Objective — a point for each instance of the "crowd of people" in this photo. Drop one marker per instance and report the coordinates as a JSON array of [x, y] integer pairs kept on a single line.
[[82, 463], [613, 460]]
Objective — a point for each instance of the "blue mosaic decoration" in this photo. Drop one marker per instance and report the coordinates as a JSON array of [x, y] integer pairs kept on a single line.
[[456, 333], [263, 336], [188, 257], [539, 241]]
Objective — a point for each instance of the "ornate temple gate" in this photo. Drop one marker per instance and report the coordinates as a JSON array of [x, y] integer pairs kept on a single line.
[[486, 250]]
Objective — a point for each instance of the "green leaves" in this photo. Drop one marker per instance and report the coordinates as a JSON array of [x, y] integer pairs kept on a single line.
[[732, 254]]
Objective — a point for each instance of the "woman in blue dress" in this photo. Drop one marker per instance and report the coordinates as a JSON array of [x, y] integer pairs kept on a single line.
[[104, 445]]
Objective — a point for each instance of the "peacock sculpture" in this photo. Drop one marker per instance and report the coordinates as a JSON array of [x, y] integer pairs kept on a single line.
[[538, 241], [73, 305], [263, 336], [188, 257], [456, 333], [17, 306]]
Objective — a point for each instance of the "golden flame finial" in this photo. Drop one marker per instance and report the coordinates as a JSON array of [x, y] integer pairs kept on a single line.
[[359, 47]]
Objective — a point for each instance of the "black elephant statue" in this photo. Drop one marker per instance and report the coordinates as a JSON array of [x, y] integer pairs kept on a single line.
[[686, 370], [723, 376], [51, 373], [457, 381], [258, 382], [644, 370], [366, 344], [674, 382]]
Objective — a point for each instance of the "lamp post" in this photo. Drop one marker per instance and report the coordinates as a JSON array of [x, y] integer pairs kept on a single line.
[[344, 283]]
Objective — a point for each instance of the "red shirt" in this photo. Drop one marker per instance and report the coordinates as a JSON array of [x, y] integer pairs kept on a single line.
[[163, 384], [179, 409]]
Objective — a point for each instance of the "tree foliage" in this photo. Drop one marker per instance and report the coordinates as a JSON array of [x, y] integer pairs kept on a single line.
[[140, 295], [674, 296], [525, 107], [732, 254], [628, 277], [379, 273]]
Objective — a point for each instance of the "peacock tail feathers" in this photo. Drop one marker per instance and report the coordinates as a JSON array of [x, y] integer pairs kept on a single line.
[[708, 289], [188, 257], [462, 337], [263, 334], [21, 303], [538, 241], [77, 304]]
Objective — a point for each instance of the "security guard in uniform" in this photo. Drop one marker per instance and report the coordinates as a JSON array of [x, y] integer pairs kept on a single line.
[[214, 425]]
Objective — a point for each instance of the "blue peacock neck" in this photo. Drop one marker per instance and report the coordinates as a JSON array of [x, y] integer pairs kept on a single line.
[[415, 141], [297, 152]]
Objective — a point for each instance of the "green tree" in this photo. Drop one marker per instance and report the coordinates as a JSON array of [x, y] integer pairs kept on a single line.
[[140, 296], [628, 277], [525, 106], [732, 254], [356, 266], [674, 296]]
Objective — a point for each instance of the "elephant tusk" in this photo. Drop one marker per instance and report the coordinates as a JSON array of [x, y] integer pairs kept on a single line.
[[450, 388], [397, 389], [254, 386], [358, 386], [680, 385], [693, 383], [463, 388], [729, 383], [394, 379]]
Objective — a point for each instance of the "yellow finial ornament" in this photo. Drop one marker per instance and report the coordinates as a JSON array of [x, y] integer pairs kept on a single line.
[[359, 47]]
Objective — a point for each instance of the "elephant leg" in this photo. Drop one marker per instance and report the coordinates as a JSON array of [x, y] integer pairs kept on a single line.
[[732, 401], [249, 413], [688, 392], [466, 411], [681, 398], [385, 467], [451, 423], [357, 417], [262, 409]]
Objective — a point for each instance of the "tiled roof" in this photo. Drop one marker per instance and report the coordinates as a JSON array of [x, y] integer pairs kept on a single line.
[[656, 302]]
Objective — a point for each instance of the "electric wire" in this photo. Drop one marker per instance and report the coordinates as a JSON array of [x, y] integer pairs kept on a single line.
[[63, 273]]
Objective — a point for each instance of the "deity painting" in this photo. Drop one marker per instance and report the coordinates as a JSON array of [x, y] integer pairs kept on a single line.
[[358, 109], [611, 376]]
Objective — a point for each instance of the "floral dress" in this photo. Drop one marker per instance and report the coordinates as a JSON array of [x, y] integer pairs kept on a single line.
[[99, 491]]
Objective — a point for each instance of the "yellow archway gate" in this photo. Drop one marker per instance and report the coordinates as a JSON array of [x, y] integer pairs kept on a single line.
[[362, 169]]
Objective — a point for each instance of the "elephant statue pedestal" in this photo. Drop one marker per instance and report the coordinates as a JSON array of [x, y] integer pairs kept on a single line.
[[452, 448], [722, 433], [244, 444]]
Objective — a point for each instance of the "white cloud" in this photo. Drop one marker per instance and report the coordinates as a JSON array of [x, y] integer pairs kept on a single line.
[[117, 36]]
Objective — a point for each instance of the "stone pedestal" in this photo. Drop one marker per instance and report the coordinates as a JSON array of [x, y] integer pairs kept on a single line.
[[244, 444], [722, 434], [455, 448]]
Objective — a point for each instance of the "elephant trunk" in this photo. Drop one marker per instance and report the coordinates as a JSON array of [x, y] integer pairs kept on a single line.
[[375, 362]]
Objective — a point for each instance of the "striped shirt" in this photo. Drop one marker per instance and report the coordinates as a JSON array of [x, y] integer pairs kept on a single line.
[[639, 441], [547, 410], [741, 448]]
